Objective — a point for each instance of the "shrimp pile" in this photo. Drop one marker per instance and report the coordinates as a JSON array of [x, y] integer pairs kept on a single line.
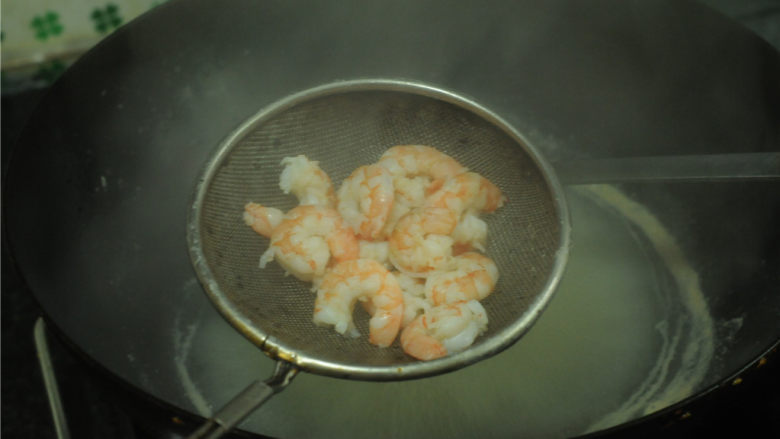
[[402, 236]]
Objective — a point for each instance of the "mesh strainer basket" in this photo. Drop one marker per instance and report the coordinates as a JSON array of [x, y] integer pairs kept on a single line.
[[343, 126]]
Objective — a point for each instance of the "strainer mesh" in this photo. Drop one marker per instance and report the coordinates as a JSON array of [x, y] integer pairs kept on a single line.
[[343, 131]]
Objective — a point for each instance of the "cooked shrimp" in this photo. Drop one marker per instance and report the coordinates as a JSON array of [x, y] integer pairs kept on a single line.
[[414, 286], [417, 170], [473, 277], [416, 210], [409, 194], [365, 199], [310, 184], [419, 160], [415, 303], [376, 250], [307, 239], [470, 233], [360, 279], [262, 219], [467, 192], [420, 243], [444, 330], [411, 191], [414, 306]]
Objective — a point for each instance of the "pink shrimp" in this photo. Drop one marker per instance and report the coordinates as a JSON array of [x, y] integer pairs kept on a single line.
[[470, 233], [413, 289], [473, 277], [308, 239], [307, 181], [419, 160], [467, 192], [422, 242], [408, 194], [419, 244], [262, 219], [376, 250], [466, 196], [365, 199], [417, 171], [360, 279], [444, 330]]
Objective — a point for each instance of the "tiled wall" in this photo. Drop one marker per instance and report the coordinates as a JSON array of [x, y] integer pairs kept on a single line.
[[40, 38]]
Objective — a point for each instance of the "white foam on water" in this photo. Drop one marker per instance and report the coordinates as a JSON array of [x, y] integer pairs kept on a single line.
[[182, 343], [659, 390]]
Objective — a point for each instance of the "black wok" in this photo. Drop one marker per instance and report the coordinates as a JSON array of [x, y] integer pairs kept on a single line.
[[672, 287]]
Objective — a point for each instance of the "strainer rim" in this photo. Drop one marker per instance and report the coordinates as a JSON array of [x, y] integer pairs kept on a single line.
[[276, 349]]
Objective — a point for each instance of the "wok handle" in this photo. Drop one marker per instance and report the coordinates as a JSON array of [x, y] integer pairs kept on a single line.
[[246, 402], [755, 166]]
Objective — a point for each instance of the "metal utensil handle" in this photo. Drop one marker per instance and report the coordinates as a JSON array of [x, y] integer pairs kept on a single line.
[[246, 402], [684, 168], [50, 380]]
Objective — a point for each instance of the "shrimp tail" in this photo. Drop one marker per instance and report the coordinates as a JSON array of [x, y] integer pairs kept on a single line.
[[262, 219]]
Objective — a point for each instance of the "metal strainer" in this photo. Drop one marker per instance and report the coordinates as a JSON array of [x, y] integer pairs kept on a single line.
[[343, 126]]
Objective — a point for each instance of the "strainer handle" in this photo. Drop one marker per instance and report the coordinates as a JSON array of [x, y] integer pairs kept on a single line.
[[246, 402]]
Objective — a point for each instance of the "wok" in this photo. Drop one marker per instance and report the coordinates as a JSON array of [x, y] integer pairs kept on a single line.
[[671, 289]]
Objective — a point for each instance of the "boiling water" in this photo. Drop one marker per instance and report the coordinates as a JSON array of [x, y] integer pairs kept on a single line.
[[627, 333]]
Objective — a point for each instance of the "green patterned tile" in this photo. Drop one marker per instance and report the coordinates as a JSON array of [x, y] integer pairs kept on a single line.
[[106, 18], [46, 25]]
